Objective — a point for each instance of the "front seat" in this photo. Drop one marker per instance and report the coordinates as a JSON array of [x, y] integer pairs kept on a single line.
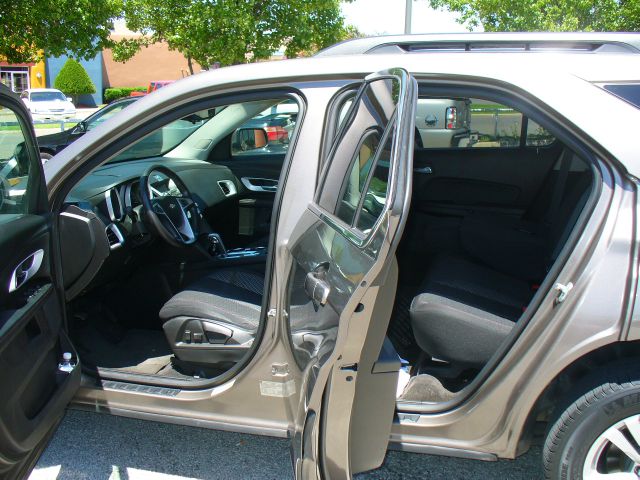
[[215, 319]]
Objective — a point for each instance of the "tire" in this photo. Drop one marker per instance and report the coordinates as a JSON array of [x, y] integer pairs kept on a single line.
[[579, 441]]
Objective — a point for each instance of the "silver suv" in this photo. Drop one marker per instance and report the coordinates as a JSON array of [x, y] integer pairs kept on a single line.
[[350, 292]]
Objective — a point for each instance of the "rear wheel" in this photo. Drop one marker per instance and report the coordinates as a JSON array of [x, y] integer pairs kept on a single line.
[[598, 435]]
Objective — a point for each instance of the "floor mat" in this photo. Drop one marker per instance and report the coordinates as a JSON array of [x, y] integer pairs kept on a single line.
[[425, 388], [133, 351]]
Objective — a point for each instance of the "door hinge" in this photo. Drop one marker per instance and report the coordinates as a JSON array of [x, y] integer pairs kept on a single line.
[[563, 291]]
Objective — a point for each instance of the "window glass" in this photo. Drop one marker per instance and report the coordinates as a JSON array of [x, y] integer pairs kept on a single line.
[[628, 92], [165, 138], [466, 123], [14, 163], [538, 136], [359, 166], [48, 96], [105, 114], [195, 136], [269, 132], [376, 194], [358, 176]]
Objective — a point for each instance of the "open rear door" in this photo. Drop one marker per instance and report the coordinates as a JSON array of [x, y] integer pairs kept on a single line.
[[34, 391], [343, 281]]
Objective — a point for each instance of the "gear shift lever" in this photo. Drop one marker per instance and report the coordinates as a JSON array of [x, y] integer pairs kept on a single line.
[[216, 246]]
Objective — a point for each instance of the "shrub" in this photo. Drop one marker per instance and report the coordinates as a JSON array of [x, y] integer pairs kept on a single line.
[[73, 80], [111, 94]]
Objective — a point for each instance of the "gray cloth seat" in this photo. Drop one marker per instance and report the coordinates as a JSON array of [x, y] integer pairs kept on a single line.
[[466, 310], [470, 304], [232, 297]]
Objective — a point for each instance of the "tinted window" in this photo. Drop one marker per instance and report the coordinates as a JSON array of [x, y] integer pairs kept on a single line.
[[538, 136], [629, 92], [466, 123], [15, 163]]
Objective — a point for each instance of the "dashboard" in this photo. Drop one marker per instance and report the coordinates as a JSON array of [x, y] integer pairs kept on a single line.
[[103, 214]]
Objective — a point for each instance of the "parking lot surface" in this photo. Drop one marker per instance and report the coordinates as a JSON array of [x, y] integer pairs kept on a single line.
[[103, 447]]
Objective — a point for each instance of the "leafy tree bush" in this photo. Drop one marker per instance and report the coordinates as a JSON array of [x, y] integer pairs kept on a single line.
[[545, 15], [73, 80], [111, 94]]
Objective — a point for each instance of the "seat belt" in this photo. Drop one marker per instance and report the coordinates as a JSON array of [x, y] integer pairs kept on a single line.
[[559, 187]]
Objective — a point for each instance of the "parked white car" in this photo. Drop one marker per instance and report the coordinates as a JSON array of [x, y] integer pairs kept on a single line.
[[48, 103]]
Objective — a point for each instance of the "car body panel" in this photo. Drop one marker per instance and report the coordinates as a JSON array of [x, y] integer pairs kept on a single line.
[[600, 257]]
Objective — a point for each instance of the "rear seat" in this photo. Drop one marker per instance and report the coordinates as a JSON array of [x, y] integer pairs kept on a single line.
[[470, 303]]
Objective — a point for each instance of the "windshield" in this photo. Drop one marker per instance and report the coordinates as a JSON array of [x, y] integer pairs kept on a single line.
[[47, 96], [106, 113], [164, 139]]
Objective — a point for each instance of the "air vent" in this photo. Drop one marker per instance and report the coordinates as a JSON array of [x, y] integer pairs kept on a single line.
[[228, 187], [114, 237]]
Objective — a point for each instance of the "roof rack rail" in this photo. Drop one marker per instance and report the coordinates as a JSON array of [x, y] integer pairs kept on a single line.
[[490, 42]]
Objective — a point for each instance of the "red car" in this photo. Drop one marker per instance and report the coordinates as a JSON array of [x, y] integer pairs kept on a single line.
[[153, 86]]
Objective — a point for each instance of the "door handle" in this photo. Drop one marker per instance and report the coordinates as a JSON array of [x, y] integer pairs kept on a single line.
[[260, 184], [426, 170], [316, 286], [25, 270]]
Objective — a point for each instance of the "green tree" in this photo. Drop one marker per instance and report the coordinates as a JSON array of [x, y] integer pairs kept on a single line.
[[79, 28], [230, 32], [546, 15], [73, 80]]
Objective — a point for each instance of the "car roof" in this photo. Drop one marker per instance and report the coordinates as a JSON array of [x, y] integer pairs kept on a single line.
[[558, 82], [492, 41]]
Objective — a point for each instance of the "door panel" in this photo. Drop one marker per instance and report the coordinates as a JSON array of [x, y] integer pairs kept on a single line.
[[34, 391], [481, 178], [259, 176], [342, 284]]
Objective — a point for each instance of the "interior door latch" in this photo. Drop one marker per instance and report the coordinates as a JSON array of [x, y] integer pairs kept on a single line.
[[563, 291]]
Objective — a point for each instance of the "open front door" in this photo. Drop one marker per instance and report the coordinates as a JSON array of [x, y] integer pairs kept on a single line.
[[34, 391], [343, 280]]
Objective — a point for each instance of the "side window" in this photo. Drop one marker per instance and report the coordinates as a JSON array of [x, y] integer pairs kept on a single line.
[[355, 185], [537, 136], [268, 133], [466, 123], [356, 181], [376, 194], [15, 163]]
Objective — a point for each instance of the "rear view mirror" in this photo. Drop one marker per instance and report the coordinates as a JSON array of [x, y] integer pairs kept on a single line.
[[246, 139]]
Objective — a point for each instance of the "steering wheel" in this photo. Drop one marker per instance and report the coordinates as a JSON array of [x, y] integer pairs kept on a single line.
[[170, 209]]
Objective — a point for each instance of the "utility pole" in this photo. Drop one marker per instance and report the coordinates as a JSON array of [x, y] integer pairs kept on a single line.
[[407, 16]]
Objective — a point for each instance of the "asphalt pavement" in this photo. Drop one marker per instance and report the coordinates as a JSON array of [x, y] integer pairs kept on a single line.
[[93, 446]]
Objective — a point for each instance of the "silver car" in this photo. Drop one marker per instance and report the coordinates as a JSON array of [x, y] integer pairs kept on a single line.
[[353, 292]]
